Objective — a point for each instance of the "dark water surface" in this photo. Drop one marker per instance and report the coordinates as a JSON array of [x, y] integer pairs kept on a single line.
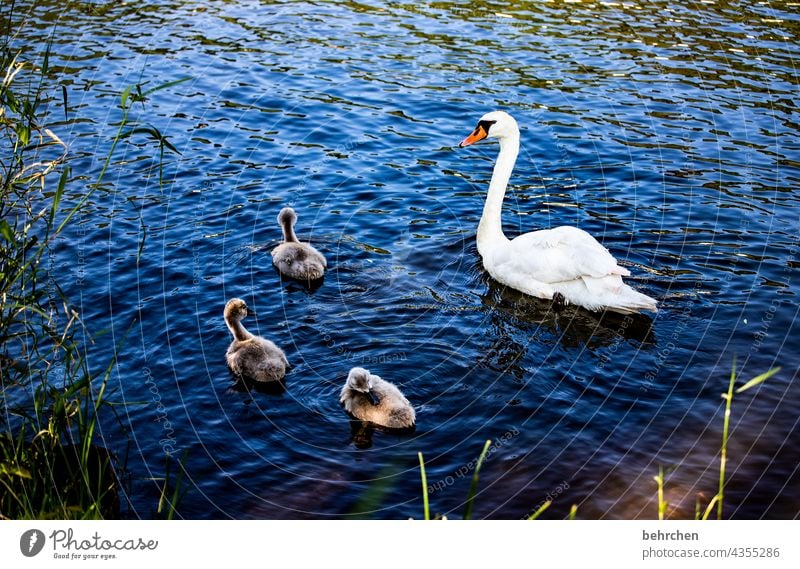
[[668, 131]]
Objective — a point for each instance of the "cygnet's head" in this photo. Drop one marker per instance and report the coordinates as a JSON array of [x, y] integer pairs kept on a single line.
[[236, 309], [497, 124], [360, 380]]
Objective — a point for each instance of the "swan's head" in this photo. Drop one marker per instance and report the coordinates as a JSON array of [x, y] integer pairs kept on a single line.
[[236, 309], [360, 380], [497, 124]]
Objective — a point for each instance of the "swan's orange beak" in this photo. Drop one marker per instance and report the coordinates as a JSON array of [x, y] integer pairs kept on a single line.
[[478, 134]]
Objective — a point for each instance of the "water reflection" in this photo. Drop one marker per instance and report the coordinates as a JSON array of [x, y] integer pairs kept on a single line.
[[573, 326], [267, 387], [362, 433]]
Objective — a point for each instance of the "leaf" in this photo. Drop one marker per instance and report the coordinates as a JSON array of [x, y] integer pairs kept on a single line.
[[169, 145], [46, 60], [6, 231], [64, 96], [62, 182], [154, 133], [125, 94], [165, 86], [11, 470], [758, 379], [473, 488], [573, 511]]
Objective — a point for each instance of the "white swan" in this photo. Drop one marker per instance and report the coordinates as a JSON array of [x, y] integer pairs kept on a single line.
[[564, 264], [293, 258], [369, 398], [251, 357]]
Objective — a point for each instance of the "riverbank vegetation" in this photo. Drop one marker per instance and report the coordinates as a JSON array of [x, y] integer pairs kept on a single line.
[[53, 463], [50, 464]]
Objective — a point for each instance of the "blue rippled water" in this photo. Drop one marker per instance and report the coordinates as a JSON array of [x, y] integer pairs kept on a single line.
[[669, 132]]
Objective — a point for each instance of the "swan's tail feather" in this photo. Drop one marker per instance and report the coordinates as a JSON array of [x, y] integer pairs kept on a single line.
[[271, 370]]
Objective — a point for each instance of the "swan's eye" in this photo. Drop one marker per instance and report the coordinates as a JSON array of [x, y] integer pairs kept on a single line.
[[485, 125], [288, 262]]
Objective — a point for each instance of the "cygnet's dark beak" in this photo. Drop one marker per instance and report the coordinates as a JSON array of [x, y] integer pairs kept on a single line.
[[251, 312], [373, 398]]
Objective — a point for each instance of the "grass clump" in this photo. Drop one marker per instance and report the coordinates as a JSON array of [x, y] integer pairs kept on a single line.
[[51, 465], [472, 489], [723, 458], [717, 501]]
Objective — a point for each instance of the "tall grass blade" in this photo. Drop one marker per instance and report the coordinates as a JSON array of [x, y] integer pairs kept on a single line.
[[710, 507], [473, 488], [723, 458], [425, 506], [662, 505], [167, 505], [758, 379], [535, 515]]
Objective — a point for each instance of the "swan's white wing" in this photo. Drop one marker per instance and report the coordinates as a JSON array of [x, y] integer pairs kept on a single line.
[[562, 254]]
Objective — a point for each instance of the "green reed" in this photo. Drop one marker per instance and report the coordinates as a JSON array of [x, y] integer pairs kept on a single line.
[[51, 464], [662, 504], [718, 499], [728, 397], [473, 488], [426, 510]]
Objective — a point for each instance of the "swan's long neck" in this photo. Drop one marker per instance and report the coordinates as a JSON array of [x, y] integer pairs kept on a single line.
[[490, 229], [287, 224], [237, 329]]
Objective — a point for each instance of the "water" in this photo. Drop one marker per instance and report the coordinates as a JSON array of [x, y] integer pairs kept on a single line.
[[668, 132]]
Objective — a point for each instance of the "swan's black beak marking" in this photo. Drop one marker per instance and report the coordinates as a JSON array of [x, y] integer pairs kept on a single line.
[[481, 131]]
